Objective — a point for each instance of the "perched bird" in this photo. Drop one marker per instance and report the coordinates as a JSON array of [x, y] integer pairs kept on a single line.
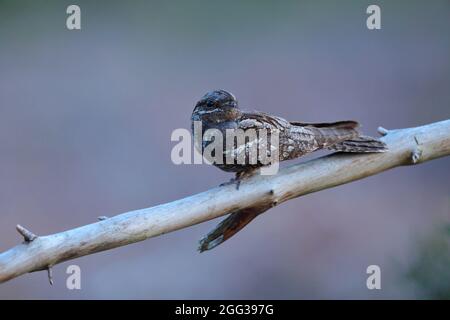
[[219, 110]]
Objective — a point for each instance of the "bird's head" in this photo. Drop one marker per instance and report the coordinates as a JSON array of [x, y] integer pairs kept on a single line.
[[217, 100]]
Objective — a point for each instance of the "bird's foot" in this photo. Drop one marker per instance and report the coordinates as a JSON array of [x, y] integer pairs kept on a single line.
[[232, 181], [239, 177]]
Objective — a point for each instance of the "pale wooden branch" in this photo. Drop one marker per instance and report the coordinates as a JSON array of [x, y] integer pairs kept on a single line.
[[406, 147]]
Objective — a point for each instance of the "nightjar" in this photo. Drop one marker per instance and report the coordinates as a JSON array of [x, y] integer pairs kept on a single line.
[[219, 110]]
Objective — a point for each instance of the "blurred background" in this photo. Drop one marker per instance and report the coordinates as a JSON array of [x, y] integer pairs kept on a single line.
[[86, 118]]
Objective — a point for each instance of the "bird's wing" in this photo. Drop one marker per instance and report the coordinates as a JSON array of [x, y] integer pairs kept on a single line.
[[326, 134], [340, 124], [251, 126], [259, 120]]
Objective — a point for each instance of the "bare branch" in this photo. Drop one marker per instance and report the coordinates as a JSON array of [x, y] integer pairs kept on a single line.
[[406, 147]]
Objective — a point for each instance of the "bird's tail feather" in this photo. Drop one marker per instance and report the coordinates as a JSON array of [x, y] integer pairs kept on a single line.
[[361, 144], [229, 227]]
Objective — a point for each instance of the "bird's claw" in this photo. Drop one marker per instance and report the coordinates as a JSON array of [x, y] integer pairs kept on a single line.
[[235, 181], [239, 177]]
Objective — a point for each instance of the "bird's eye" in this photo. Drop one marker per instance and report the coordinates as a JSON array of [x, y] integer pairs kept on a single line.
[[211, 104]]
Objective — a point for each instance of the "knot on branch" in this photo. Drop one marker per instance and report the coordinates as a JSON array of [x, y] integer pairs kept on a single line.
[[273, 198], [416, 154]]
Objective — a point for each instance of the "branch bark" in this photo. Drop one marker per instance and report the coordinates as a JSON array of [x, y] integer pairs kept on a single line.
[[406, 147]]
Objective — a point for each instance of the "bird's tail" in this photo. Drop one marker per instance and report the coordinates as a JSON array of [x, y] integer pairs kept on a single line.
[[230, 226], [343, 136], [363, 144]]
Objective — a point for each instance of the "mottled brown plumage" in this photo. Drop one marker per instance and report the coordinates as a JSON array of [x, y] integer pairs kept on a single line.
[[219, 110]]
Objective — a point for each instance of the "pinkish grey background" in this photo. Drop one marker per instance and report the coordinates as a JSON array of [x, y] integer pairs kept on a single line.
[[86, 118]]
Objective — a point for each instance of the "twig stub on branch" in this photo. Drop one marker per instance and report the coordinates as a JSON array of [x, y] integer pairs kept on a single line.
[[26, 234]]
